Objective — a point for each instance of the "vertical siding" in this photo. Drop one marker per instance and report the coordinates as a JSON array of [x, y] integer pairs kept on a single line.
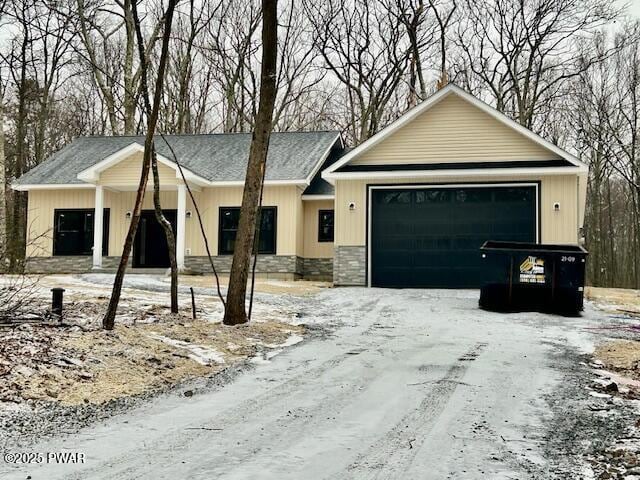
[[313, 248], [350, 224], [119, 203], [285, 198], [454, 130], [556, 227], [42, 204], [299, 226], [560, 226], [127, 173]]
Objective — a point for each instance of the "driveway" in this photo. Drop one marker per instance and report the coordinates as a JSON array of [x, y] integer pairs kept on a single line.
[[396, 384]]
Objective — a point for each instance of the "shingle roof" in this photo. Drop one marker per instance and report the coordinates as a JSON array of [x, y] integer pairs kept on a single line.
[[216, 157]]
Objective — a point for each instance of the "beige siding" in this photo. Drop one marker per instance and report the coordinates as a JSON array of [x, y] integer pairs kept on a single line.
[[127, 173], [313, 248], [42, 204], [40, 216], [556, 227], [119, 203], [454, 130], [299, 226], [286, 199]]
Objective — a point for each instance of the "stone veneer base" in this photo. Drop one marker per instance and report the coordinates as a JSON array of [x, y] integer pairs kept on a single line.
[[350, 266], [286, 267]]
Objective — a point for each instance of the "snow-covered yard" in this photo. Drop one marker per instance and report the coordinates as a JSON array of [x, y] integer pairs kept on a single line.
[[49, 366]]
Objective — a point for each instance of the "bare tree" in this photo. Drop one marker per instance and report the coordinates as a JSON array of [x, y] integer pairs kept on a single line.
[[189, 77], [235, 312], [228, 46], [109, 319], [3, 184], [444, 19], [523, 52], [109, 48], [412, 15], [166, 226], [367, 51], [594, 97]]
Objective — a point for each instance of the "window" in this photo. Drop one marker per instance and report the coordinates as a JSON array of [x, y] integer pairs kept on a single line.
[[73, 231], [325, 225], [228, 229]]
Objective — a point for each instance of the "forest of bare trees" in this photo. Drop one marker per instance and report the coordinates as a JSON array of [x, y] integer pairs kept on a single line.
[[568, 69]]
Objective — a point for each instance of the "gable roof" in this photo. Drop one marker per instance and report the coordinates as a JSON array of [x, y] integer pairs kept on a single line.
[[294, 157], [319, 187], [341, 167]]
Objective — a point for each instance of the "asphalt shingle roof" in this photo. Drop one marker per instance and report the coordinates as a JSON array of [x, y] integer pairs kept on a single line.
[[216, 157]]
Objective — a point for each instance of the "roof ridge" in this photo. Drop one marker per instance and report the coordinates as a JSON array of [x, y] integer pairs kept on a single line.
[[207, 134]]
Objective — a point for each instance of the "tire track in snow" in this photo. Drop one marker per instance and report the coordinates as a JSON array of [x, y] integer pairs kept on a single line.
[[259, 406], [393, 453]]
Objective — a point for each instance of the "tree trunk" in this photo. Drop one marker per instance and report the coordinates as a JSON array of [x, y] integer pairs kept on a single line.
[[3, 191], [162, 220], [235, 313], [613, 271], [18, 220], [109, 319], [129, 100], [166, 226]]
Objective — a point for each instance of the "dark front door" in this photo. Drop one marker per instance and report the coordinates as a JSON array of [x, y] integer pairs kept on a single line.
[[429, 237], [150, 248]]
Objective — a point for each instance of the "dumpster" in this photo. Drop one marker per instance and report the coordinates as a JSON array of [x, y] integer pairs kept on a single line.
[[532, 277]]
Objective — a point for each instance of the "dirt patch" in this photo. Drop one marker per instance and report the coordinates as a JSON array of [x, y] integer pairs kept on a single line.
[[59, 375], [73, 366], [621, 356], [615, 299], [263, 285]]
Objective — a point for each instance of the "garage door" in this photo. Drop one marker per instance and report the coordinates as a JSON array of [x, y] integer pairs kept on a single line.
[[429, 237]]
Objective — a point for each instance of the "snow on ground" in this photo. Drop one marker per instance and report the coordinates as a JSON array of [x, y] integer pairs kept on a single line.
[[200, 353], [390, 384], [407, 384], [53, 368]]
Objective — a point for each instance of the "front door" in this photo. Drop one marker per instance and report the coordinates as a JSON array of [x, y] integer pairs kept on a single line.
[[150, 248]]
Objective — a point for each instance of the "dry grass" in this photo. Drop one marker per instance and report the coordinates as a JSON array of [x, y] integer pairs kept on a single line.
[[620, 355], [614, 299], [130, 360], [149, 349], [263, 285]]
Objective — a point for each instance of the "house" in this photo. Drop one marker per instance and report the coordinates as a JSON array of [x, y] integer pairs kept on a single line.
[[81, 198], [409, 207]]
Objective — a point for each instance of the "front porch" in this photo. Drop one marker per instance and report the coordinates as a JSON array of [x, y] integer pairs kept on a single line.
[[149, 245]]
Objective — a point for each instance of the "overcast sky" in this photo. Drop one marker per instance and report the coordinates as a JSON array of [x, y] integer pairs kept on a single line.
[[635, 7]]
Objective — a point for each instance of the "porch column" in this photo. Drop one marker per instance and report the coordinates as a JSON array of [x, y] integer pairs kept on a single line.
[[98, 227], [180, 227]]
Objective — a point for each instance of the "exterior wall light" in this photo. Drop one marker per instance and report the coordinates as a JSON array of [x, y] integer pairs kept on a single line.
[[128, 215], [188, 214], [352, 206]]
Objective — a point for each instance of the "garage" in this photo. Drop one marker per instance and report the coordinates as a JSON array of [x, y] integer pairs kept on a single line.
[[414, 202], [429, 236]]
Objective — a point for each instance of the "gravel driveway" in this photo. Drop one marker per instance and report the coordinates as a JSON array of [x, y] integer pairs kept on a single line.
[[402, 384]]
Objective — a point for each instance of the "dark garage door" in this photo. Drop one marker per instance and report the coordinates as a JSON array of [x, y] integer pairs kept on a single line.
[[429, 237]]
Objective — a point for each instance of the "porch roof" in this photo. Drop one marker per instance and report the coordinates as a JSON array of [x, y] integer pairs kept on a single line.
[[293, 156]]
